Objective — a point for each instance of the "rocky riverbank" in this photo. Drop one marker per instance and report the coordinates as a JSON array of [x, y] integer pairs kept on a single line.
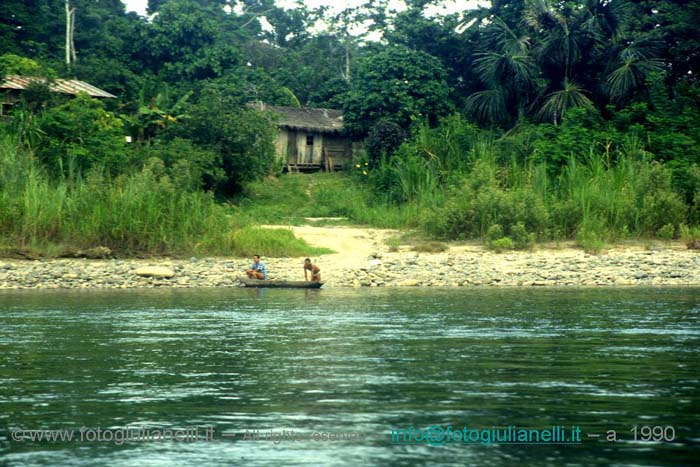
[[477, 267]]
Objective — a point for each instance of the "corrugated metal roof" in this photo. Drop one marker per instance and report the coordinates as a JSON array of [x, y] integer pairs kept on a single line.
[[65, 86], [306, 118]]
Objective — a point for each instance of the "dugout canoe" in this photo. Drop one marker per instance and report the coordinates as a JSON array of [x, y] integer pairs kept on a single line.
[[280, 284]]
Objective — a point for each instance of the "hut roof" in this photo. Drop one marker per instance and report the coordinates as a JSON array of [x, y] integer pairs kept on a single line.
[[65, 86], [307, 118]]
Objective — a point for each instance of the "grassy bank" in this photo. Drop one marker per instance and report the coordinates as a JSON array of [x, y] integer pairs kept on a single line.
[[138, 213], [290, 198], [509, 206], [452, 182], [510, 190]]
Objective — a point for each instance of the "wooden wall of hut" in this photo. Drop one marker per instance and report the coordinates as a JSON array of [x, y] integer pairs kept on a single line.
[[307, 147]]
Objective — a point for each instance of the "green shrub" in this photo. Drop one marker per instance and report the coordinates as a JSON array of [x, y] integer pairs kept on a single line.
[[591, 236], [522, 240], [383, 139], [81, 134], [451, 221], [494, 232], [12, 64], [660, 209], [495, 240], [690, 236], [501, 244], [191, 167], [393, 243], [243, 138], [691, 191], [481, 200], [667, 232]]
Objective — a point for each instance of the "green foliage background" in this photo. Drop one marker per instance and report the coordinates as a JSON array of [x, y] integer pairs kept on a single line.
[[546, 120]]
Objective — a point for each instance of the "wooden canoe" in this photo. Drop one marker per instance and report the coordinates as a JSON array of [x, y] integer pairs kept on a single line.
[[281, 284]]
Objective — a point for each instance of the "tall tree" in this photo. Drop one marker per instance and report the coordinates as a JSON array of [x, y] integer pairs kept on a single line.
[[399, 85], [184, 42], [437, 36]]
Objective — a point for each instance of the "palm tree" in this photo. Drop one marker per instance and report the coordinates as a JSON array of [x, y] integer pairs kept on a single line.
[[575, 48], [557, 44], [507, 71], [555, 56]]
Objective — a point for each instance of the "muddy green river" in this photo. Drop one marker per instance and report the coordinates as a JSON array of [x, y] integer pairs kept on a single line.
[[487, 377]]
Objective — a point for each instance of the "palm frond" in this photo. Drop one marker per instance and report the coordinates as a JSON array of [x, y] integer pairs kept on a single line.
[[181, 102], [292, 97], [558, 102], [489, 105], [630, 75], [503, 38], [561, 46], [636, 51], [494, 68]]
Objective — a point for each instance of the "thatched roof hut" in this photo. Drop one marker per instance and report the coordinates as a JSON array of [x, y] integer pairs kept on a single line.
[[64, 86], [310, 138], [12, 86]]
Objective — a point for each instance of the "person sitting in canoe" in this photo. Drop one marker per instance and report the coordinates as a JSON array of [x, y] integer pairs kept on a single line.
[[315, 271], [257, 269]]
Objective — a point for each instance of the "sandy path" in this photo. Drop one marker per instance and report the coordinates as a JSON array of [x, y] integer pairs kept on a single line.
[[352, 245]]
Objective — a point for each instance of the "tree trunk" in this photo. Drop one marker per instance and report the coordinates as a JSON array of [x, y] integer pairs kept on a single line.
[[347, 57], [67, 32], [74, 56], [70, 26]]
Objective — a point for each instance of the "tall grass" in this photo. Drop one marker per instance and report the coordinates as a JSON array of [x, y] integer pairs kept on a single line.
[[141, 212], [288, 199], [594, 198], [281, 200], [132, 213], [631, 195], [340, 196]]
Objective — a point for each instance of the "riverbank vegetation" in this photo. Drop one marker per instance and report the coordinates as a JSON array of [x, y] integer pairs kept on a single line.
[[531, 184], [147, 211], [513, 124]]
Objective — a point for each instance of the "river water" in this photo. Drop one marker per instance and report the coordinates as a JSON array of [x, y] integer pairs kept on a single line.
[[295, 377]]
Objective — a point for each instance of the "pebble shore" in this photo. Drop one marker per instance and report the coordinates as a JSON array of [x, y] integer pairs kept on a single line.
[[567, 268]]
